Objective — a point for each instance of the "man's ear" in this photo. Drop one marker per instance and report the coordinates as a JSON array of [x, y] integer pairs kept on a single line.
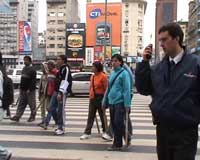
[[177, 38]]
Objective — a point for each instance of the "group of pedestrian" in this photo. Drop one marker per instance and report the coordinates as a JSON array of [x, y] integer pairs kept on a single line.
[[173, 85], [115, 94]]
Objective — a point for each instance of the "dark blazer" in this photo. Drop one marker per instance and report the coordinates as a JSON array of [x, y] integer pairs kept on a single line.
[[176, 102]]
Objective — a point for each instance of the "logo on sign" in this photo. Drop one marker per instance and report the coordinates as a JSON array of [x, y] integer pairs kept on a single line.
[[95, 13]]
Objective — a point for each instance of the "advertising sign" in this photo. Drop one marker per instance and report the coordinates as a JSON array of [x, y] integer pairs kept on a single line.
[[95, 33], [75, 41], [89, 56], [25, 37], [115, 50], [98, 53]]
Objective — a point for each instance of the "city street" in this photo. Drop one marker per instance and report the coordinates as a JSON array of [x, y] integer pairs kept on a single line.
[[29, 142]]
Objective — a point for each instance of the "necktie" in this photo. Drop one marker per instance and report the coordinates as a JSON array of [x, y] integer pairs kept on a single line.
[[172, 65]]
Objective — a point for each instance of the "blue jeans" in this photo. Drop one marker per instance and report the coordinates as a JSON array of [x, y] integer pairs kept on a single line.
[[52, 109], [117, 117], [56, 108]]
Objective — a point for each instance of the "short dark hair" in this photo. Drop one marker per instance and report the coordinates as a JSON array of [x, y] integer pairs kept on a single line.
[[28, 57], [98, 65], [174, 31], [119, 58], [63, 57]]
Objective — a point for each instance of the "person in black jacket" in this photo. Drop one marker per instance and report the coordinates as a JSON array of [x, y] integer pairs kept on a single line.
[[27, 91], [174, 86], [8, 94], [58, 99]]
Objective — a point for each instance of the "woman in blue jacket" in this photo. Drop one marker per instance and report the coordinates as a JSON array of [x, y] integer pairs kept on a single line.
[[118, 99]]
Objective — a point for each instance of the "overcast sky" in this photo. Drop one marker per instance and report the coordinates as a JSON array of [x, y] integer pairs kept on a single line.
[[149, 20]]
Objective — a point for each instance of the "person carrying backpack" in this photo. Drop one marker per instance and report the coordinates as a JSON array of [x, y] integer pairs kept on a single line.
[[118, 99]]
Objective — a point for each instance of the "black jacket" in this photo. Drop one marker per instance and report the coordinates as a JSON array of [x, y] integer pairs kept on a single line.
[[28, 79], [175, 103], [63, 77]]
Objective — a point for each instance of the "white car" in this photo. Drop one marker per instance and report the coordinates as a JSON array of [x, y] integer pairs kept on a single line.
[[81, 82]]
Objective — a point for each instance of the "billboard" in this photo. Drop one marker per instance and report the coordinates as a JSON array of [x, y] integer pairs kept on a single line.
[[75, 41], [25, 37], [95, 18]]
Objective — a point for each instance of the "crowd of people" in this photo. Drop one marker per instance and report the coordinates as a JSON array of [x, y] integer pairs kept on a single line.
[[173, 85]]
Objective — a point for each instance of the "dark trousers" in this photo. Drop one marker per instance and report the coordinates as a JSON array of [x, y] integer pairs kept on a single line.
[[130, 128], [6, 107], [117, 117], [176, 144], [94, 105], [24, 100]]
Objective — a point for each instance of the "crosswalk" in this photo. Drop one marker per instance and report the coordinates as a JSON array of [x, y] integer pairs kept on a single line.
[[30, 142]]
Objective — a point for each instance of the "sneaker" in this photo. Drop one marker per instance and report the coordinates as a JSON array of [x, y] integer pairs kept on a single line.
[[6, 117], [43, 125], [106, 137], [85, 136], [15, 118], [113, 148], [59, 132], [8, 156], [31, 119]]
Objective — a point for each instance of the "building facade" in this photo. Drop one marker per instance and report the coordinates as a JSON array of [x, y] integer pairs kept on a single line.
[[33, 8], [193, 26], [133, 12], [58, 14], [166, 12], [8, 29], [184, 27]]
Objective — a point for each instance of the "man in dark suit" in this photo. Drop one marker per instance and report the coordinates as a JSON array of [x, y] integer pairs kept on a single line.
[[174, 86]]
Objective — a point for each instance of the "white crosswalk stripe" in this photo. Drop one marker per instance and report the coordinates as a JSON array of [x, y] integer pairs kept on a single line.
[[29, 142]]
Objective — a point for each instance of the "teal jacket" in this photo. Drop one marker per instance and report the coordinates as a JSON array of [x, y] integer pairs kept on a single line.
[[121, 89]]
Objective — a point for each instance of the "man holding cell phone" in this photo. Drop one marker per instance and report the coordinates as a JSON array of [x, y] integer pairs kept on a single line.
[[174, 86]]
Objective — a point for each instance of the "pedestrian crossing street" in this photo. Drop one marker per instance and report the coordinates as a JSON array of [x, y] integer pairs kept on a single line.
[[27, 141]]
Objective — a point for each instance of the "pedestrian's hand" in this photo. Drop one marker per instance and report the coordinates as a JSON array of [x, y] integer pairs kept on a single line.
[[59, 97], [147, 52], [128, 109], [103, 107]]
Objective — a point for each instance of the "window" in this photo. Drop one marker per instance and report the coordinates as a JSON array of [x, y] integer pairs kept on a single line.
[[52, 14], [51, 45], [60, 22], [19, 72], [60, 14], [81, 77]]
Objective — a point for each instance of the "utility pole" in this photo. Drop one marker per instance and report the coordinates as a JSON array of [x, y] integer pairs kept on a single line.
[[105, 29]]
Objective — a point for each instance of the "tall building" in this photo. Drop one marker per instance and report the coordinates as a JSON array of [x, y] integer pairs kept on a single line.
[[194, 27], [8, 29], [59, 12], [184, 27], [23, 10], [166, 12], [133, 12], [33, 18]]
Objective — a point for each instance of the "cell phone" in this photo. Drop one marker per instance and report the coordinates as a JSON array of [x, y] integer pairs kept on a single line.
[[148, 56]]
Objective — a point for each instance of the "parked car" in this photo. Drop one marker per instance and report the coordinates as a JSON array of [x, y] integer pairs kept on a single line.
[[81, 82], [15, 75]]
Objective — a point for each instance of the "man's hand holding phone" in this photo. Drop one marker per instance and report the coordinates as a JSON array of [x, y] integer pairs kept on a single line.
[[147, 52]]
